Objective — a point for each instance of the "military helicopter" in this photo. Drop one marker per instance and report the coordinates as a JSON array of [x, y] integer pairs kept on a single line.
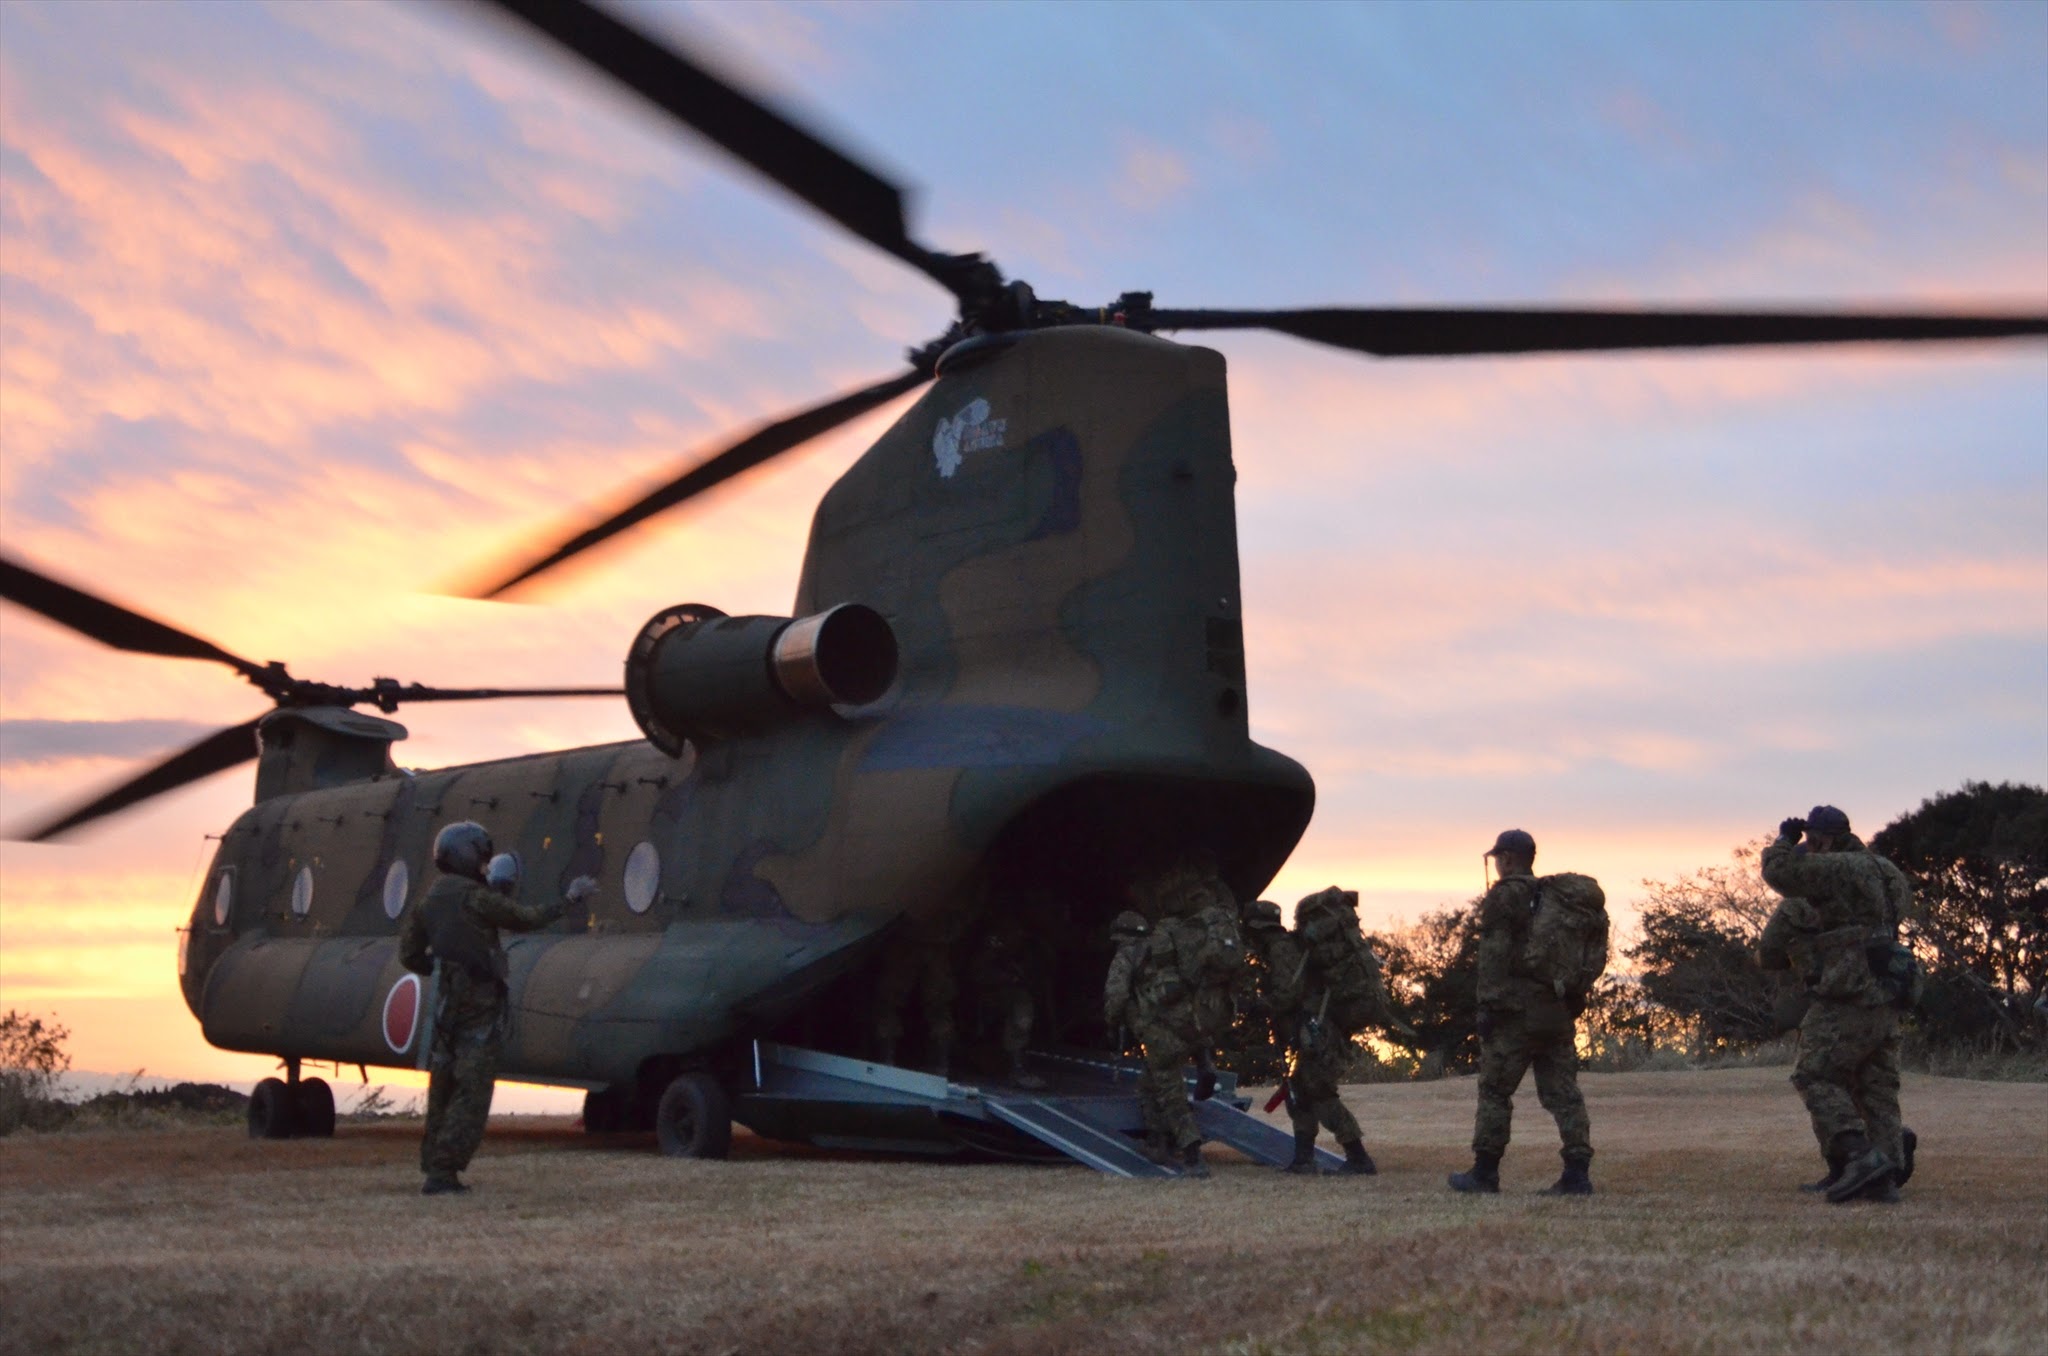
[[1011, 684]]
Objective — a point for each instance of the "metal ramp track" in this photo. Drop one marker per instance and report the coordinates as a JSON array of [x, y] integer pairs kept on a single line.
[[1260, 1141], [1065, 1125]]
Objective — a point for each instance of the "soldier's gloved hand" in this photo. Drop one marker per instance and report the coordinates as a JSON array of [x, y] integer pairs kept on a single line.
[[1792, 829], [1485, 1024], [581, 890]]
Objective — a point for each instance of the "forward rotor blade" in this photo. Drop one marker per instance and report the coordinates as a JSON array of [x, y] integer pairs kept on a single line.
[[217, 752], [1408, 332], [400, 696], [803, 163], [768, 441], [108, 623]]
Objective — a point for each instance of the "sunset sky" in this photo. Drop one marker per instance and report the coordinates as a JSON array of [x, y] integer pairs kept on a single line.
[[305, 310]]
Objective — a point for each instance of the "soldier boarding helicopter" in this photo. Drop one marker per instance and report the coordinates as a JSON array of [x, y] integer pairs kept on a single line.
[[1013, 671]]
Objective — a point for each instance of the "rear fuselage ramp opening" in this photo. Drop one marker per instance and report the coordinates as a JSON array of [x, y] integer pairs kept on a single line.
[[1259, 1140], [1076, 1127]]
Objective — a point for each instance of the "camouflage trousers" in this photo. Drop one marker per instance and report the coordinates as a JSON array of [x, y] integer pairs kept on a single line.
[[464, 1075], [927, 971], [1163, 1088], [1312, 1087], [1547, 1039], [1848, 1074], [1011, 1010]]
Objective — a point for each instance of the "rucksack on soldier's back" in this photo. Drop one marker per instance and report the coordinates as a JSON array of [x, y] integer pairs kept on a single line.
[[1568, 936], [1350, 973]]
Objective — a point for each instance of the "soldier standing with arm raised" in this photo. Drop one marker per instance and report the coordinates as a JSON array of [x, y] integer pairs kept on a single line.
[[455, 928], [1842, 908], [1523, 1022]]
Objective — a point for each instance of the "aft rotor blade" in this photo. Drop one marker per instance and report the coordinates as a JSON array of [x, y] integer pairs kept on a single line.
[[799, 160], [1434, 332], [108, 623], [771, 440], [217, 752]]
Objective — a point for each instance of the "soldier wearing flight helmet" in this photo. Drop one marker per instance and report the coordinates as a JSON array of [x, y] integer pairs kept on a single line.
[[453, 934]]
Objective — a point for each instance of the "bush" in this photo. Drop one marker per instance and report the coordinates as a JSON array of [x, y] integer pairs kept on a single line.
[[32, 1059]]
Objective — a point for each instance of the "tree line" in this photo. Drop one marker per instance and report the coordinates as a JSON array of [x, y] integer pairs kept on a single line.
[[1687, 981]]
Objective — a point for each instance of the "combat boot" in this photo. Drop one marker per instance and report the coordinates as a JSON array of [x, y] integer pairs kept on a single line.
[[940, 1060], [1205, 1076], [1357, 1162], [1191, 1164], [439, 1185], [885, 1050], [1577, 1180], [1884, 1191], [1909, 1143], [1020, 1075], [1835, 1163], [1484, 1178], [1304, 1164], [1865, 1165]]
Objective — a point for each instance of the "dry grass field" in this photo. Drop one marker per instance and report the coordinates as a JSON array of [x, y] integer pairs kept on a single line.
[[202, 1240]]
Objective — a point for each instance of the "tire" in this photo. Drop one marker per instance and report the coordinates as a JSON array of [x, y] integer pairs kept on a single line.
[[270, 1110], [604, 1111], [315, 1108], [694, 1119]]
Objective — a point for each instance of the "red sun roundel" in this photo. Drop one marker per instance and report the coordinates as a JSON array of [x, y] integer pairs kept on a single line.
[[402, 1013]]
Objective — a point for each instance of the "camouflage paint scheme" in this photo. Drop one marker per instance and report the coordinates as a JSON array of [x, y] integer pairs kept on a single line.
[[1050, 531]]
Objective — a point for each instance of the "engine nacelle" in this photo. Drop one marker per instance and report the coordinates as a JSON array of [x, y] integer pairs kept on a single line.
[[696, 675]]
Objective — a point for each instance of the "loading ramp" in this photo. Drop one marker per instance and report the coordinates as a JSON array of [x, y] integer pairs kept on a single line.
[[1086, 1110]]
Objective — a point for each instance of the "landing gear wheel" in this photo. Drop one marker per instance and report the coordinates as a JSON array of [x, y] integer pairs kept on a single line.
[[314, 1106], [270, 1110], [604, 1111], [694, 1119]]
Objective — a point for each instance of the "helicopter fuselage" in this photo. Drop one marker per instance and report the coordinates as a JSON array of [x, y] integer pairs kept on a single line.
[[1050, 534]]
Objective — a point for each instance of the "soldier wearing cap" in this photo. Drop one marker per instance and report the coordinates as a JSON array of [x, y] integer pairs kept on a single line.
[[1843, 905], [1522, 1024], [453, 934]]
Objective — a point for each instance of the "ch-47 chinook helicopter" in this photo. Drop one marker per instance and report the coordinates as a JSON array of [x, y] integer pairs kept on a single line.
[[1012, 684]]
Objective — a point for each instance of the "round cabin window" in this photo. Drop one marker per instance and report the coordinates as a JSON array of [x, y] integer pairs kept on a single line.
[[397, 880], [223, 899], [302, 892], [643, 877]]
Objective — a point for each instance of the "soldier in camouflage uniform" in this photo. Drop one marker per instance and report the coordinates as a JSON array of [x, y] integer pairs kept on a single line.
[[1522, 1024], [1319, 1054], [1198, 910], [920, 961], [1002, 987], [455, 930], [1840, 901], [1145, 995]]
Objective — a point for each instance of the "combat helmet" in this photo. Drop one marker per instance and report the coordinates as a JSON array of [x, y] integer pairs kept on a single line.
[[1129, 924], [1262, 914], [462, 849]]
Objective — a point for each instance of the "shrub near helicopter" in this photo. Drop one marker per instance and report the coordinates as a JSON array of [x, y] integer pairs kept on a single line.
[[1012, 682]]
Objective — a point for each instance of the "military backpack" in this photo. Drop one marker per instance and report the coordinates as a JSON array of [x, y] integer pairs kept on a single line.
[[1162, 982], [1338, 960], [1567, 946]]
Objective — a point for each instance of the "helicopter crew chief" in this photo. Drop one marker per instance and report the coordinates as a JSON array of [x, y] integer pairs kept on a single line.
[[456, 928]]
